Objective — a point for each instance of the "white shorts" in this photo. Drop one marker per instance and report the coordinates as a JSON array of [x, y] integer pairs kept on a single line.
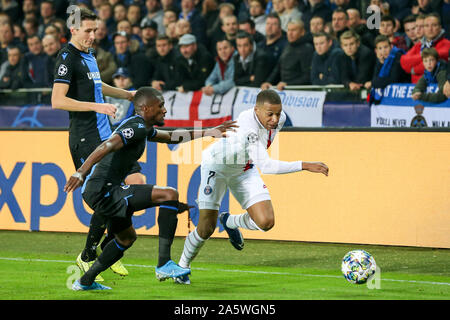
[[246, 186]]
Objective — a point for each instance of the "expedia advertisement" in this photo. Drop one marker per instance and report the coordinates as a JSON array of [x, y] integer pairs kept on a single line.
[[388, 188]]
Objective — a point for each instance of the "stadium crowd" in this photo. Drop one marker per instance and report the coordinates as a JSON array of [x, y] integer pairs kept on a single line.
[[213, 45]]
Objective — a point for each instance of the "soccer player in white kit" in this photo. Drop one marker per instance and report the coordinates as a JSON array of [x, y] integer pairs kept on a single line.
[[230, 163]]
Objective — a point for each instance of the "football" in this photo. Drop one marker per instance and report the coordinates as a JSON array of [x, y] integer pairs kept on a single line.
[[358, 266]]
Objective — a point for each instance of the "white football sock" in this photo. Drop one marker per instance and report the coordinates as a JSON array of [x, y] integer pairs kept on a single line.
[[241, 221], [192, 246]]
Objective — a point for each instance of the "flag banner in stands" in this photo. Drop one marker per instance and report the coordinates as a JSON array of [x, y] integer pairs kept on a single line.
[[188, 109], [303, 108], [398, 109]]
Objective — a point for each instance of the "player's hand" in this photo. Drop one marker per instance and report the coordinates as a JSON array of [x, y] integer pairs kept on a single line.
[[221, 130], [131, 95], [75, 181], [184, 207], [317, 167], [447, 88], [107, 108], [416, 95]]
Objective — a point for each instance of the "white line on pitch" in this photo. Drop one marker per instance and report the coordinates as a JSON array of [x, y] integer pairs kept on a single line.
[[237, 271]]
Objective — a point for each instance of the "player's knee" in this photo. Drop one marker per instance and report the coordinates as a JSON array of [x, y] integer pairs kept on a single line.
[[267, 223], [171, 194], [206, 230], [127, 240]]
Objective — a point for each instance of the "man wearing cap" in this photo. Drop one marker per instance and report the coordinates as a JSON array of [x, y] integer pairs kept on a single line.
[[194, 65], [125, 108], [137, 63], [149, 33]]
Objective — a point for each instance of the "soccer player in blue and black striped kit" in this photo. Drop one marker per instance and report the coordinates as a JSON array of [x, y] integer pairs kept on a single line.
[[78, 88]]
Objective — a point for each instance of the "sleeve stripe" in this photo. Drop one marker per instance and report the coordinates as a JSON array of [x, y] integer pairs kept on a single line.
[[61, 80]]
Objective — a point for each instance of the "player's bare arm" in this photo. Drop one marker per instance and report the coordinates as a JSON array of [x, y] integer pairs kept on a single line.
[[61, 101], [113, 144], [178, 136], [317, 167], [117, 92]]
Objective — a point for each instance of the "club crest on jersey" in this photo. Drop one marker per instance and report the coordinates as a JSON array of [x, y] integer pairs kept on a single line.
[[62, 70], [128, 133], [207, 190], [252, 137]]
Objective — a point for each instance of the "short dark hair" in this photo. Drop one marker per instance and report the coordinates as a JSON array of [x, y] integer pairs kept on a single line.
[[381, 38], [430, 52], [322, 34], [162, 37], [270, 96], [85, 14], [274, 15], [340, 10], [249, 21], [144, 95], [388, 18], [224, 38], [410, 18], [245, 35]]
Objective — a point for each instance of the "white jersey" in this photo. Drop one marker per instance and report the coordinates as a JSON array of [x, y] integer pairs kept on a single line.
[[248, 146]]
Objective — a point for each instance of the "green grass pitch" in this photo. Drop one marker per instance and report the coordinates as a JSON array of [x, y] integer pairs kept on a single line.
[[41, 265]]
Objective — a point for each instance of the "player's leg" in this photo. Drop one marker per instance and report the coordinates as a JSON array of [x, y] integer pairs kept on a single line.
[[135, 177], [194, 241], [97, 226], [252, 194]]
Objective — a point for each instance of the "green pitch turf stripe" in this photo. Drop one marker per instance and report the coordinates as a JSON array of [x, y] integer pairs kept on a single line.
[[237, 271]]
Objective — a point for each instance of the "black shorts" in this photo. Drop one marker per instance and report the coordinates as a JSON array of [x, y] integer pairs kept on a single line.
[[81, 150], [118, 203]]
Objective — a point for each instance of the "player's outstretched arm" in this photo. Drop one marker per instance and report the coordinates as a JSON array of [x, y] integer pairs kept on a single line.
[[119, 93], [61, 101], [113, 144], [181, 136], [317, 167]]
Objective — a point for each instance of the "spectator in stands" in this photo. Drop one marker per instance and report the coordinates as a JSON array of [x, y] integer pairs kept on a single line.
[[11, 8], [198, 23], [170, 15], [105, 13], [387, 68], [443, 6], [422, 7], [420, 20], [101, 36], [221, 78], [409, 26], [13, 73], [210, 12], [125, 108], [155, 13], [360, 27], [316, 8], [171, 32], [182, 27], [248, 25], [411, 62], [387, 25], [105, 62], [19, 33], [325, 60], [294, 66], [51, 47], [250, 65], [120, 13], [165, 77], [290, 13], [149, 34], [435, 73], [215, 31], [279, 8], [7, 39], [31, 26], [357, 63], [229, 30], [134, 13], [276, 40], [194, 65], [137, 63], [339, 22], [316, 24], [257, 14], [29, 9], [36, 62], [47, 11]]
